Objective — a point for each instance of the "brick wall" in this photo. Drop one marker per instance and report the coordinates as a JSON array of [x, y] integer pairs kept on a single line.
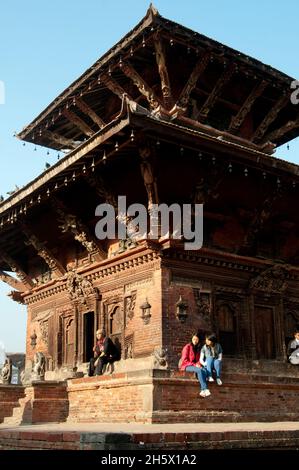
[[9, 399]]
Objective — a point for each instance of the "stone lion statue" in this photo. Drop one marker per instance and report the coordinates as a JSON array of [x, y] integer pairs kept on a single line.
[[6, 372]]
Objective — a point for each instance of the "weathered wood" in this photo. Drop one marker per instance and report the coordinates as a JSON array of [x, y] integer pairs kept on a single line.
[[163, 72], [115, 87], [192, 80], [12, 282], [16, 268], [270, 117], [278, 133], [60, 140], [238, 120], [90, 113], [78, 122], [142, 86], [217, 90], [42, 251]]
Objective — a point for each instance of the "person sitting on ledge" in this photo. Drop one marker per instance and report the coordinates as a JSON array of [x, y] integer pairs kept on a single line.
[[293, 348], [211, 358], [105, 352], [190, 363]]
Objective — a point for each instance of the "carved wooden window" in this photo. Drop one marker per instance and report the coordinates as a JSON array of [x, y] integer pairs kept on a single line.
[[227, 329]]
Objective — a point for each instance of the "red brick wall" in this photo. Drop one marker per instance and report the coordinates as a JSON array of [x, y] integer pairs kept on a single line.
[[9, 399]]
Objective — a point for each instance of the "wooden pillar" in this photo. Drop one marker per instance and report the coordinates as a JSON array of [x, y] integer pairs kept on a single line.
[[252, 326]]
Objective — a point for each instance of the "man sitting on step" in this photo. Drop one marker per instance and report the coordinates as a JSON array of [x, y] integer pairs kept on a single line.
[[105, 352]]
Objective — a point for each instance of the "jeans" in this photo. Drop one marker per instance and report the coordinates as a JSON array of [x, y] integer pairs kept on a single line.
[[213, 363], [201, 375]]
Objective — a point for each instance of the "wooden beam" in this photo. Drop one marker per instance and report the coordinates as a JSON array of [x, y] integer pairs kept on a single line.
[[238, 120], [72, 224], [12, 282], [115, 87], [215, 93], [42, 251], [163, 72], [278, 133], [90, 113], [78, 122], [58, 139], [142, 86], [270, 117], [16, 268], [192, 80]]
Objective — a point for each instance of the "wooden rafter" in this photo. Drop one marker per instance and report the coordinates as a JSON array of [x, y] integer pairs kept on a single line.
[[142, 86], [12, 282], [215, 93], [16, 268], [270, 117], [78, 122], [192, 80], [90, 113], [115, 87], [59, 140], [42, 251], [237, 120], [163, 72], [278, 133]]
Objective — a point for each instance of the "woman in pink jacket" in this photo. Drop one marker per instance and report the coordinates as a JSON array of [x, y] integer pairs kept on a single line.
[[190, 363]]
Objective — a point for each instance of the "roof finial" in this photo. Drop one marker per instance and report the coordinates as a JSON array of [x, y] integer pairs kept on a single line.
[[152, 10]]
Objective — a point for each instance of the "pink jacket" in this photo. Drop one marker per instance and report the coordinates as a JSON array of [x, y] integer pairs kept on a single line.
[[188, 357]]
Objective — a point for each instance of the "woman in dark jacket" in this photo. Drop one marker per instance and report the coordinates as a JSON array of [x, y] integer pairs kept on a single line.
[[190, 363]]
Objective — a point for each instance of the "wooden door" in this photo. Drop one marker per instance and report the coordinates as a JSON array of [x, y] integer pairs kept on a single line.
[[69, 341], [264, 333]]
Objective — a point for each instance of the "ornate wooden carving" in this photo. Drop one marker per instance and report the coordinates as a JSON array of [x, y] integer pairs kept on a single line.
[[192, 80], [215, 93], [237, 120], [42, 251], [78, 122], [79, 288], [71, 223], [272, 281], [148, 175], [162, 67], [204, 309], [270, 117], [15, 267], [115, 87], [142, 86], [129, 305], [90, 113]]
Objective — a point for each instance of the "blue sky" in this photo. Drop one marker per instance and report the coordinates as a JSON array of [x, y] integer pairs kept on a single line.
[[45, 45]]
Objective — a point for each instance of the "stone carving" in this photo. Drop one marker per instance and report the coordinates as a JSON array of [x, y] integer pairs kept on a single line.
[[44, 331], [6, 372], [130, 303], [39, 366], [160, 358], [203, 303], [78, 287], [272, 281]]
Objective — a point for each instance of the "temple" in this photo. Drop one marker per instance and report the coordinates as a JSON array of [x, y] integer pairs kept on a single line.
[[165, 116]]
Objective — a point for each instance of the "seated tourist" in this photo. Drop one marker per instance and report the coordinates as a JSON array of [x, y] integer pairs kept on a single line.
[[211, 358], [293, 348], [190, 363], [105, 352]]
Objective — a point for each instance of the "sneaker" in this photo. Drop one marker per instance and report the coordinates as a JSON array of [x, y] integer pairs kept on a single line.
[[203, 393], [219, 381], [208, 393], [210, 379]]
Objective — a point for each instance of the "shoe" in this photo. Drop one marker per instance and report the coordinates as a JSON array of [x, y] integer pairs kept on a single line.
[[210, 379], [205, 393], [219, 381]]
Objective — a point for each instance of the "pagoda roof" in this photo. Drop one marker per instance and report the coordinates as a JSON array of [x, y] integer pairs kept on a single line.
[[177, 73]]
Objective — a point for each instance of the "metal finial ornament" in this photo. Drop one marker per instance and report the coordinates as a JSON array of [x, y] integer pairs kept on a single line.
[[116, 146], [74, 176], [84, 169], [246, 171], [92, 165], [230, 168], [104, 159]]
